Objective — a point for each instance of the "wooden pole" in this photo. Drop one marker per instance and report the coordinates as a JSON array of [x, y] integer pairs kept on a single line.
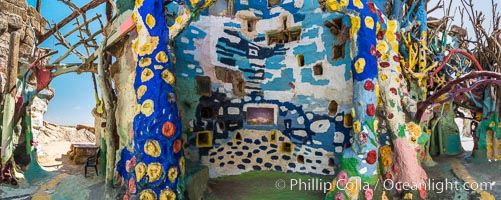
[[9, 98]]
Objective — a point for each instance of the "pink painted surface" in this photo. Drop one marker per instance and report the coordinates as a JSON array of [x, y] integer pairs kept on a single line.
[[127, 25]]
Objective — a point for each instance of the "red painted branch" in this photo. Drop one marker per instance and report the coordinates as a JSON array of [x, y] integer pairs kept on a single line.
[[452, 52], [450, 86]]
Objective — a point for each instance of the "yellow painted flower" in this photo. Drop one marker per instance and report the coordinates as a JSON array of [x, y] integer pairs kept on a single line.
[[162, 57], [492, 124], [146, 75], [384, 77], [413, 139], [182, 163], [489, 147], [137, 109], [499, 125], [428, 131], [383, 196], [413, 128], [139, 3], [140, 170], [333, 5], [385, 151], [408, 196], [141, 90], [376, 124], [344, 3], [353, 186], [134, 45], [149, 46], [360, 65], [148, 195], [147, 108], [150, 20], [478, 116], [179, 20], [172, 174], [194, 2], [167, 194], [333, 185], [382, 46], [154, 171], [144, 62], [168, 77], [387, 161], [490, 133], [358, 4], [394, 46], [139, 27], [357, 126], [385, 57], [152, 148], [369, 22]]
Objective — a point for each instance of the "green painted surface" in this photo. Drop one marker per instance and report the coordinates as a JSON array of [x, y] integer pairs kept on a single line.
[[188, 100], [261, 185]]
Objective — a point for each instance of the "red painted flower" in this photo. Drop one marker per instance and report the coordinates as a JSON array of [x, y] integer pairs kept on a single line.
[[132, 186], [393, 90], [388, 176], [422, 192], [339, 196], [371, 157], [373, 50], [395, 168], [396, 58], [385, 64], [380, 35], [390, 116], [177, 146], [130, 164], [421, 155], [168, 129], [371, 110], [342, 178], [369, 85]]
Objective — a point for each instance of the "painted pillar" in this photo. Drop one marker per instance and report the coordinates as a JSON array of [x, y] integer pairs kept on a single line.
[[10, 97], [359, 164], [159, 162]]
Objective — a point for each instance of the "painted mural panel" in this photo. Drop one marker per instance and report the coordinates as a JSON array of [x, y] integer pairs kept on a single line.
[[276, 59]]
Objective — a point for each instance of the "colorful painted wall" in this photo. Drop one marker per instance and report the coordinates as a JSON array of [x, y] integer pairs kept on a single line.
[[288, 62]]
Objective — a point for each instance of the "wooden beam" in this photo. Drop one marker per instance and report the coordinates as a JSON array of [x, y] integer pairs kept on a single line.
[[91, 5]]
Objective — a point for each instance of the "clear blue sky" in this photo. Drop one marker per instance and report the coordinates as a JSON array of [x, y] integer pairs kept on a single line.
[[74, 94]]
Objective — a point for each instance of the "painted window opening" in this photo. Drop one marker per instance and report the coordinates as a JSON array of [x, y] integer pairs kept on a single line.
[[207, 112], [223, 8], [203, 85], [284, 35], [204, 139], [260, 116], [300, 159], [300, 60], [338, 51], [318, 69], [286, 147], [333, 106], [272, 3]]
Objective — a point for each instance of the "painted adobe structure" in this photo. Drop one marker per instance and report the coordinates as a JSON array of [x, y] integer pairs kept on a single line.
[[292, 86], [275, 57]]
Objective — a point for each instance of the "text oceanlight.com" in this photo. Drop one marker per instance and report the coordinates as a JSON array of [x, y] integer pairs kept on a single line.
[[438, 186]]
